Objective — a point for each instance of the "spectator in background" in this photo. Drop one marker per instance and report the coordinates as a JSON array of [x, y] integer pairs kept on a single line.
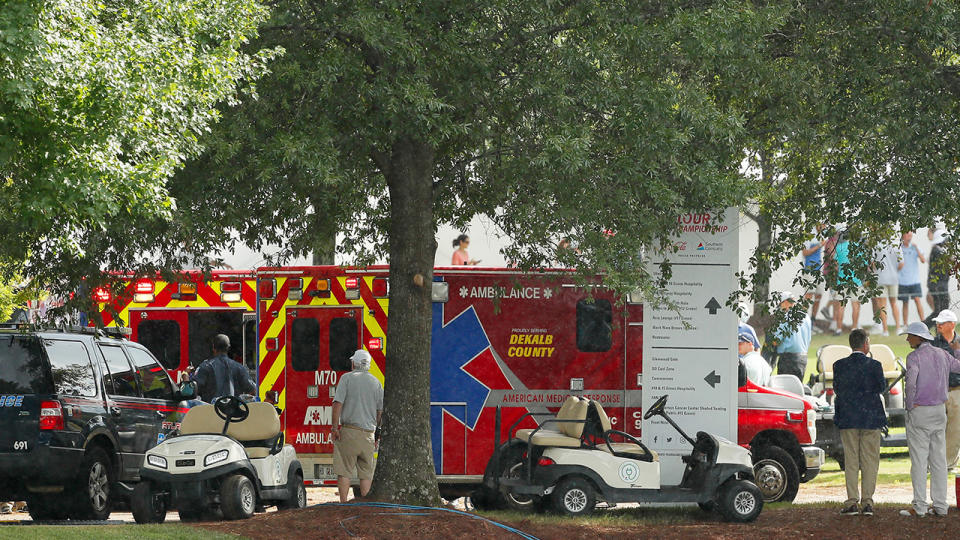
[[858, 382], [460, 255], [938, 277], [757, 368], [845, 277], [948, 340], [925, 393], [792, 344], [744, 326], [813, 263], [887, 265], [909, 277]]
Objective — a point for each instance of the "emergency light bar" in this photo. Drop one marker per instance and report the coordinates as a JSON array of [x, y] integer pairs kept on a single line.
[[230, 291], [143, 291]]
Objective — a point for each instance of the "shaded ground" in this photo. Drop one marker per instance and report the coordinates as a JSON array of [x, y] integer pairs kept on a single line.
[[788, 521]]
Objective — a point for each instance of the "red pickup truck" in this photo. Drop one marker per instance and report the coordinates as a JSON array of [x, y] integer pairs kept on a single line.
[[779, 428]]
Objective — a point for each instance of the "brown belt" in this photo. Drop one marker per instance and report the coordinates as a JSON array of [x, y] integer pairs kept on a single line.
[[358, 428]]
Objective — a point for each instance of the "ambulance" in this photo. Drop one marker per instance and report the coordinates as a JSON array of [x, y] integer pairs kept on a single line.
[[176, 319]]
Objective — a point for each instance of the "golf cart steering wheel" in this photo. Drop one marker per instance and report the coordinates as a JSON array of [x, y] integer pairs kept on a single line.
[[231, 408], [656, 408]]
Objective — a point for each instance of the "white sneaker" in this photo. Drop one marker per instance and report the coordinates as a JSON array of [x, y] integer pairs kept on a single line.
[[885, 333]]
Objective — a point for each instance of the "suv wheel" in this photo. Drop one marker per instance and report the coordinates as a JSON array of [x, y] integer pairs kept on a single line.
[[45, 508], [94, 496], [238, 498]]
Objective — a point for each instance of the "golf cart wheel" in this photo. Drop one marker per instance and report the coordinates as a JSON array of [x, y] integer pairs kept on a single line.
[[574, 496], [298, 494], [238, 498], [94, 497], [740, 501], [146, 505], [519, 503], [776, 474], [708, 506]]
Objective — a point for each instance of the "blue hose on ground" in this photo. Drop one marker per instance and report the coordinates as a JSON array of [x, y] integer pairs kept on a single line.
[[452, 511]]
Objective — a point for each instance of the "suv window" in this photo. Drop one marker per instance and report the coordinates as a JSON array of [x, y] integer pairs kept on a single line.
[[153, 378], [594, 326], [71, 369], [122, 380], [162, 338], [22, 367]]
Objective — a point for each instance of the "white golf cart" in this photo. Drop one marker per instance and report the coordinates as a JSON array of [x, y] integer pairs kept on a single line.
[[229, 457], [576, 464]]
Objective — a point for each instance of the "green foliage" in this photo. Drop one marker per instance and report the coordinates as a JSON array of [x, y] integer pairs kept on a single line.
[[100, 101], [555, 119]]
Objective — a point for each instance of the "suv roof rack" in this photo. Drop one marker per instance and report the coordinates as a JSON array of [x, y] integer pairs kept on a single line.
[[118, 332]]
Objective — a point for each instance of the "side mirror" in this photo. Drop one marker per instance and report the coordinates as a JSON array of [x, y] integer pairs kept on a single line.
[[188, 390]]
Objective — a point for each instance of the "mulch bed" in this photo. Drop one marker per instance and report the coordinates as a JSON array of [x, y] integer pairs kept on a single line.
[[792, 522]]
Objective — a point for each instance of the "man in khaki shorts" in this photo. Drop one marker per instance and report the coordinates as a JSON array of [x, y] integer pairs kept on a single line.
[[357, 406]]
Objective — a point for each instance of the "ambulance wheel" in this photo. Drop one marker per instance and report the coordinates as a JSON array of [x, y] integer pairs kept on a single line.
[[740, 501], [574, 496], [146, 505], [776, 474], [298, 494], [238, 498]]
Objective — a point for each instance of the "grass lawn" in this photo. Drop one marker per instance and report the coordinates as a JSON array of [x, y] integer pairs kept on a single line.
[[171, 531], [894, 470]]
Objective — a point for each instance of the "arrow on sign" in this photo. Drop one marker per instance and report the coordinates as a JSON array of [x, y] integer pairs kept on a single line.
[[712, 379], [713, 305]]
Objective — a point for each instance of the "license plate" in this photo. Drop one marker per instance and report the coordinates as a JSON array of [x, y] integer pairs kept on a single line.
[[323, 471]]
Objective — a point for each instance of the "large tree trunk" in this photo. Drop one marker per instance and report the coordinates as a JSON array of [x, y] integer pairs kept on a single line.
[[405, 470]]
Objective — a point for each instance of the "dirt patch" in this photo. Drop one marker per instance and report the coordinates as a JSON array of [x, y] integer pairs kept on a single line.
[[346, 522]]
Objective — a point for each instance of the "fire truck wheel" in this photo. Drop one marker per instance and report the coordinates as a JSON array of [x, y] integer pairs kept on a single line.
[[776, 474]]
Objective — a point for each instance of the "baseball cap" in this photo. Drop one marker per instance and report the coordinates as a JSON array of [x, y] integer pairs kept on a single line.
[[945, 316], [917, 329], [744, 336], [361, 359]]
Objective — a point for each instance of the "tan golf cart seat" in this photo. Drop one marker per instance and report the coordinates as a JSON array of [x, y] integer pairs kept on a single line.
[[562, 434], [826, 356], [887, 358], [258, 432], [620, 449]]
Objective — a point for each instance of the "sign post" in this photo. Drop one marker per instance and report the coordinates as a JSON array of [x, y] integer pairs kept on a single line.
[[690, 352]]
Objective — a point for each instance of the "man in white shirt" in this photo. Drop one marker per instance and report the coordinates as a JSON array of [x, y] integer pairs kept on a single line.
[[758, 370]]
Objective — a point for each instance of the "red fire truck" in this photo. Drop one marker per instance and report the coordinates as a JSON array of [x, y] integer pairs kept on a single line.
[[177, 319], [523, 342]]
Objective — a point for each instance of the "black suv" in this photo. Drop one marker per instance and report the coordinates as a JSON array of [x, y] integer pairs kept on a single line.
[[78, 410]]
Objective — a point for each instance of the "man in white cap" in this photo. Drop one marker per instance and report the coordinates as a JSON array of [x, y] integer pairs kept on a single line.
[[925, 385], [792, 343], [357, 407], [948, 340]]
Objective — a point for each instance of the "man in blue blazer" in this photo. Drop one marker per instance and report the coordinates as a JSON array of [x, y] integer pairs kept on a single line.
[[858, 384]]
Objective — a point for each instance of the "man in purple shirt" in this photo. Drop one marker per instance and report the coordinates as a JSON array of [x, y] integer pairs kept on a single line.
[[925, 395]]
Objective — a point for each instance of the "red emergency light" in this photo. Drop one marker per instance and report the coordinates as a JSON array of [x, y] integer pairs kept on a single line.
[[380, 288], [267, 289], [230, 291], [143, 291], [374, 344], [102, 295], [352, 285]]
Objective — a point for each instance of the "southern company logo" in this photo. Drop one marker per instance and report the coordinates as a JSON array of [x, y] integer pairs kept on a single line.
[[700, 246]]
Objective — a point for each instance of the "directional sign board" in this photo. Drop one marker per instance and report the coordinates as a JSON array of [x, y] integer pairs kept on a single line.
[[690, 350]]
